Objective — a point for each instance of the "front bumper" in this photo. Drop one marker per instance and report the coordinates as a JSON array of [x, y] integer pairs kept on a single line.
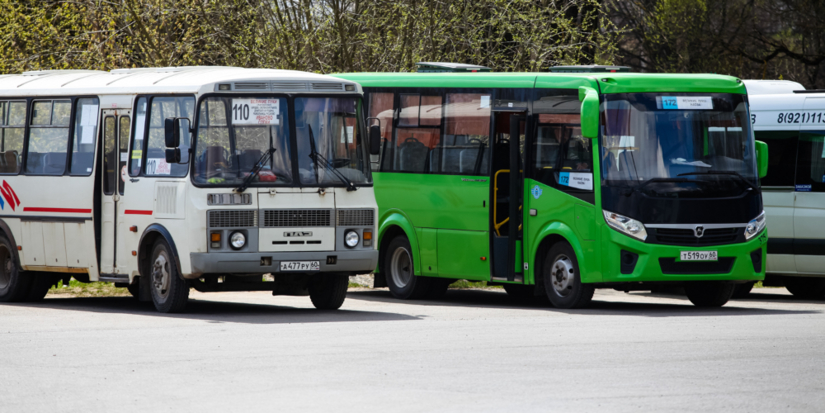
[[355, 262], [657, 262]]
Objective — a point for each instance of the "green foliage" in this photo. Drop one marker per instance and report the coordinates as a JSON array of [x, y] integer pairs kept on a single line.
[[315, 35]]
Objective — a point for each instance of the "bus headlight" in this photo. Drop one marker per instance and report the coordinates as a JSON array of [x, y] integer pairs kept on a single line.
[[351, 238], [628, 226], [756, 226], [237, 240]]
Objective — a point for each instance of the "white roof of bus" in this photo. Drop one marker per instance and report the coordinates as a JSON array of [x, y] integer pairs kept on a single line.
[[775, 106], [152, 80], [771, 87]]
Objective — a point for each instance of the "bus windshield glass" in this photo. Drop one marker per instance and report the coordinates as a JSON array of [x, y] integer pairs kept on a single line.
[[677, 144], [329, 140], [235, 133]]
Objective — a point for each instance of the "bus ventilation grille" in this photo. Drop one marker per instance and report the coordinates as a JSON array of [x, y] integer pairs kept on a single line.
[[289, 86], [328, 86], [715, 236], [232, 219], [356, 218], [293, 218]]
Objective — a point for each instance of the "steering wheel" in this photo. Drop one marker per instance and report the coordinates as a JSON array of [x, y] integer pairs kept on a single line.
[[340, 162]]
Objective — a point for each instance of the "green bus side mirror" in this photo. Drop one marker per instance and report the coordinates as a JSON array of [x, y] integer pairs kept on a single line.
[[761, 158], [590, 112]]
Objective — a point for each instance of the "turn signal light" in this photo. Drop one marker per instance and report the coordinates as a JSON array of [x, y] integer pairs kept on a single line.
[[216, 237], [134, 253], [133, 228]]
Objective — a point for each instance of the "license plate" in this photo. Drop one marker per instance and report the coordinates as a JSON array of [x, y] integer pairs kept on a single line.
[[300, 266], [698, 256]]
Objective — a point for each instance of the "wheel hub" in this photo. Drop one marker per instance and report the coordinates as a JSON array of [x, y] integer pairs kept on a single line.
[[561, 275], [160, 275], [401, 267]]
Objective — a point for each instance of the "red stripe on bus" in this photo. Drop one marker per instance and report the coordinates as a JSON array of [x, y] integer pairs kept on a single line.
[[137, 212], [66, 210]]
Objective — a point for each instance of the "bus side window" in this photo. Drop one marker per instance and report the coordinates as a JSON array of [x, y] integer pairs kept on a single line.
[[381, 107], [559, 148], [48, 137], [12, 128], [811, 161], [782, 149], [417, 134], [160, 109], [136, 160], [123, 152], [466, 139], [85, 134]]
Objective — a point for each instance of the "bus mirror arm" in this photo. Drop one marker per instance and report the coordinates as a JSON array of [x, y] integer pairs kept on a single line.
[[375, 137]]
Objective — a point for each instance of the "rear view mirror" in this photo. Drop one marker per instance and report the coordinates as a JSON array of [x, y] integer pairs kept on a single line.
[[761, 159], [173, 128], [173, 156], [589, 112], [375, 139]]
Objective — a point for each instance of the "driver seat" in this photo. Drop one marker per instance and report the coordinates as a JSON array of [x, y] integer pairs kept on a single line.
[[216, 162]]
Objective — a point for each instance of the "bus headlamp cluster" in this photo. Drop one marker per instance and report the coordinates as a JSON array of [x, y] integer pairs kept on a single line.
[[628, 226], [756, 226], [351, 238], [237, 240]]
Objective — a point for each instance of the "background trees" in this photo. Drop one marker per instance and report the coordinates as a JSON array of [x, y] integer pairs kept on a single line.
[[746, 38]]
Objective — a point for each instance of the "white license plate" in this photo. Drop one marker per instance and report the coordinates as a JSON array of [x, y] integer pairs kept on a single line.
[[300, 266], [698, 256]]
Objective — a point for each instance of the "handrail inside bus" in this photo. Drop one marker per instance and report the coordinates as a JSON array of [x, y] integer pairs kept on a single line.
[[498, 225]]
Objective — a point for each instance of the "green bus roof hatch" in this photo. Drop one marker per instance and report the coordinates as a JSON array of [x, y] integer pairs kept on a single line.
[[589, 69], [439, 67]]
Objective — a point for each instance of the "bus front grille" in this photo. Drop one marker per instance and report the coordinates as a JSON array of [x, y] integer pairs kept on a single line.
[[232, 219], [356, 218], [679, 236], [295, 218]]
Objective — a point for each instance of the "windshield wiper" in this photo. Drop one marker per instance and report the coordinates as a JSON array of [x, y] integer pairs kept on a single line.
[[734, 173], [317, 159], [255, 169]]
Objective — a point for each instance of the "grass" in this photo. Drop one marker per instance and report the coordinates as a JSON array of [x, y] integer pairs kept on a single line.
[[95, 289], [464, 284]]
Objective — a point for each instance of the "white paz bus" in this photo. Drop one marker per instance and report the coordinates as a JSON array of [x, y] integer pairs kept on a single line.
[[791, 120], [162, 179]]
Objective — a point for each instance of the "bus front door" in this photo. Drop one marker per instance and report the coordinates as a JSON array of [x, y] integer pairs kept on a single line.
[[508, 189], [115, 142]]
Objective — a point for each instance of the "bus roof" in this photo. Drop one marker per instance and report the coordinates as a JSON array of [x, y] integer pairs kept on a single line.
[[771, 87], [778, 105], [191, 79], [604, 82]]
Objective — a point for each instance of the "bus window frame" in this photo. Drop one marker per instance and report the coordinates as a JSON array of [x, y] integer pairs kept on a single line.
[[149, 98], [22, 155], [293, 136]]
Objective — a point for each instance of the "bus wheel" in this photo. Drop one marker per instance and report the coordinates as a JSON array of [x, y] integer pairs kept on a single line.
[[42, 282], [13, 285], [709, 293], [562, 281], [400, 270], [805, 287], [742, 290], [169, 291], [328, 291]]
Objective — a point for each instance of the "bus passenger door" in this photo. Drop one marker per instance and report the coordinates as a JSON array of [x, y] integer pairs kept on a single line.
[[507, 202], [113, 159]]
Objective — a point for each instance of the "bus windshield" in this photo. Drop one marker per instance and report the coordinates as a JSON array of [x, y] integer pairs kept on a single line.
[[677, 144]]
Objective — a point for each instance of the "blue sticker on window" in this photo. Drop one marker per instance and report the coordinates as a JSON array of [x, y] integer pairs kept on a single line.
[[536, 192], [669, 102], [803, 188]]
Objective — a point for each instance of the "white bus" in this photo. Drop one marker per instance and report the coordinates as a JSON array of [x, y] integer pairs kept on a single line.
[[791, 120], [162, 179]]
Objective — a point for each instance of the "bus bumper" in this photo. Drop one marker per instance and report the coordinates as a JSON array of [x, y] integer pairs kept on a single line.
[[629, 260], [351, 262]]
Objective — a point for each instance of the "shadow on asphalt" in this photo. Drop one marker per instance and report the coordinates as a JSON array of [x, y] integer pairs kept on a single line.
[[496, 299], [216, 311]]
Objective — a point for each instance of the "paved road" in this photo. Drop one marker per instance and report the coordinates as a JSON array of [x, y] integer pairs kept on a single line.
[[473, 351]]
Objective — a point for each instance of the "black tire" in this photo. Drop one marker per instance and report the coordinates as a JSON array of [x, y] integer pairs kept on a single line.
[[399, 270], [328, 291], [562, 281], [42, 282], [14, 286], [743, 290], [709, 293], [806, 287], [170, 292], [520, 292]]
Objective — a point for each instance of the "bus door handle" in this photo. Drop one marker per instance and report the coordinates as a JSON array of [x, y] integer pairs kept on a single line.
[[133, 179]]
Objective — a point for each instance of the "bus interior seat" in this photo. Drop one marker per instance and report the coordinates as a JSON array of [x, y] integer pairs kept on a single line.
[[625, 166], [8, 163], [216, 161], [248, 158], [412, 155], [54, 163]]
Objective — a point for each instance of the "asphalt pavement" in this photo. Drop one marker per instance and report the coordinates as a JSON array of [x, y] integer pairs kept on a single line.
[[472, 351]]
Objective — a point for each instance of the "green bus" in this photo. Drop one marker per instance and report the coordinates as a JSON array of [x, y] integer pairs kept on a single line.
[[562, 182]]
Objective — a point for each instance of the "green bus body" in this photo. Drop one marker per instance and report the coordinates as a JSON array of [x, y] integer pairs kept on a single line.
[[447, 217]]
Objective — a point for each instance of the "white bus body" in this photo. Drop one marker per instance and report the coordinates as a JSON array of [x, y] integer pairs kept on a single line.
[[791, 120], [85, 189]]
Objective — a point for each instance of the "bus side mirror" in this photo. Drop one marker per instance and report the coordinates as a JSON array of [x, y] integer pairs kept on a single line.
[[375, 139], [761, 159], [173, 156], [589, 112], [172, 129]]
